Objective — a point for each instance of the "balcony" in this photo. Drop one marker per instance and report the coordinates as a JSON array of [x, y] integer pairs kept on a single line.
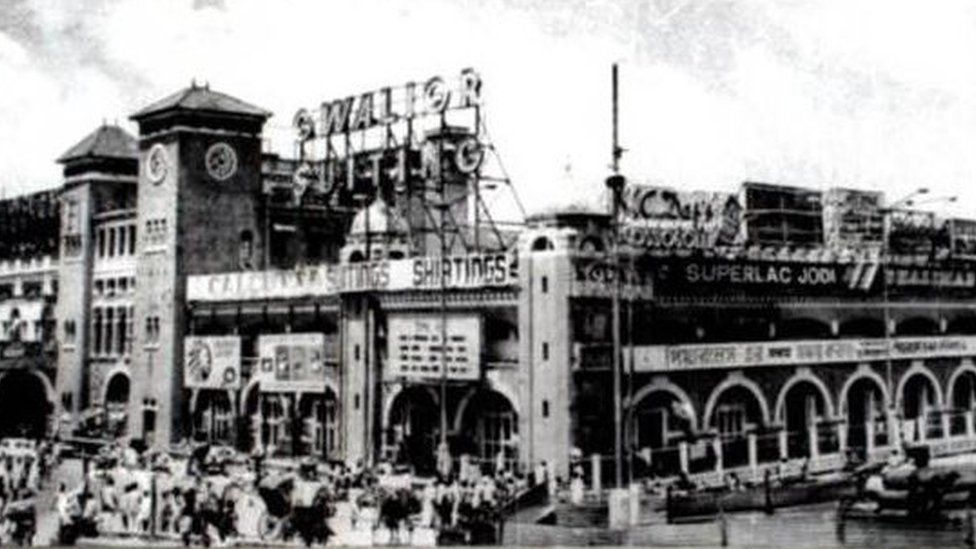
[[28, 267]]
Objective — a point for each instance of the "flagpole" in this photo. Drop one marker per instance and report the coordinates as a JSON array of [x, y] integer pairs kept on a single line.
[[615, 183]]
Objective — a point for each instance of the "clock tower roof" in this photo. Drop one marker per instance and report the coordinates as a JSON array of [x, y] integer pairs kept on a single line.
[[204, 100]]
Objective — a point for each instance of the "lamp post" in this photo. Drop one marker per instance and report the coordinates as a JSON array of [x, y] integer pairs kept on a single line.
[[615, 184], [906, 201]]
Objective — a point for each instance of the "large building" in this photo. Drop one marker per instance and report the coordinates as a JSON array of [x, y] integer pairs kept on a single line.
[[353, 303]]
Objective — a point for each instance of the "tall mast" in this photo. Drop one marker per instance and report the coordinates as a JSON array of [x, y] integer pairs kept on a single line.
[[615, 183]]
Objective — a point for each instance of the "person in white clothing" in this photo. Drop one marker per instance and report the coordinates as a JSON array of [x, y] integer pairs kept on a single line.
[[144, 512], [65, 510], [576, 486], [429, 494]]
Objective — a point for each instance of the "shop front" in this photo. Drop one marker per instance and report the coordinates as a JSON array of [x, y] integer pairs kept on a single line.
[[212, 375], [292, 402], [481, 421]]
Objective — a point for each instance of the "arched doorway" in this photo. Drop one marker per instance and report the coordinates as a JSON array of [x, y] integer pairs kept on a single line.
[[320, 427], [963, 399], [267, 415], [213, 419], [917, 326], [412, 428], [117, 403], [489, 427], [867, 425], [804, 407], [24, 405], [661, 420], [802, 328], [862, 327], [737, 412], [919, 404]]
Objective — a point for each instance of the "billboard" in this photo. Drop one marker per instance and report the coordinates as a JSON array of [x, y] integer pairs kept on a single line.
[[595, 277], [470, 271], [387, 137], [415, 346], [917, 232], [963, 237], [292, 363], [778, 215], [662, 217], [649, 358], [212, 362], [853, 218]]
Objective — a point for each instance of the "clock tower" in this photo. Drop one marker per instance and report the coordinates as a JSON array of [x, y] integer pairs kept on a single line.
[[198, 199]]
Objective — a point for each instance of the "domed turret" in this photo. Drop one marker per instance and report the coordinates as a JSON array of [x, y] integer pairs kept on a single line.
[[378, 220], [386, 232]]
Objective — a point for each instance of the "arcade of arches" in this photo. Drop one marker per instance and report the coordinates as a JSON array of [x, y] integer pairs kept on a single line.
[[290, 423], [806, 422], [484, 426]]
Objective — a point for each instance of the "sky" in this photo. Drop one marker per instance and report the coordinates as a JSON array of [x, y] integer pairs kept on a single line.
[[878, 95]]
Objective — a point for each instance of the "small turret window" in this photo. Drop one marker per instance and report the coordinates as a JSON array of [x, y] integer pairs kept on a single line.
[[542, 244]]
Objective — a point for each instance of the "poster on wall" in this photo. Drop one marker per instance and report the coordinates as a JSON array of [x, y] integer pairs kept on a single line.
[[292, 363], [415, 346], [662, 217], [212, 362]]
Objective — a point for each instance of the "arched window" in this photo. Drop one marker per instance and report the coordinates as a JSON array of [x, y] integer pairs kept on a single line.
[[356, 257]]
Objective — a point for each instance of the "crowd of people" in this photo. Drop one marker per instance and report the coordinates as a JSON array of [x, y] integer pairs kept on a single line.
[[23, 467], [205, 497]]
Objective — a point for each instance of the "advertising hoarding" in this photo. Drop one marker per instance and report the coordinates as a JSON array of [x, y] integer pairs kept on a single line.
[[962, 233], [715, 275], [595, 278], [415, 346], [662, 217], [853, 218], [916, 232], [399, 135], [495, 269], [777, 215], [292, 363], [212, 362], [739, 355]]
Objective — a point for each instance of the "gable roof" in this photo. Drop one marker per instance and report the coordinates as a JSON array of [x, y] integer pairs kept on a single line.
[[105, 142], [201, 98]]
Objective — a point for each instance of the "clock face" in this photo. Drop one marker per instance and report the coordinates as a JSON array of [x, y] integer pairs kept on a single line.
[[157, 163], [221, 161]]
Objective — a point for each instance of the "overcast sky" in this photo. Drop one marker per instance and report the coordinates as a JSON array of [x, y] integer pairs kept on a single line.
[[869, 94]]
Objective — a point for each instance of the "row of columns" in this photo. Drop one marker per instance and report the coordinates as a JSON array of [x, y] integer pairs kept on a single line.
[[813, 433], [294, 430]]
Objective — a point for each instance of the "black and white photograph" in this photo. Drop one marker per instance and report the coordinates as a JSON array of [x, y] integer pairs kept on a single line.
[[537, 273]]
